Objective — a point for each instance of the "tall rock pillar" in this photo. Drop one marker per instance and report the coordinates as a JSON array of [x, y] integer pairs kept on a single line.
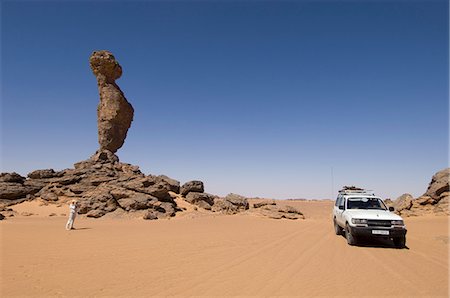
[[114, 112]]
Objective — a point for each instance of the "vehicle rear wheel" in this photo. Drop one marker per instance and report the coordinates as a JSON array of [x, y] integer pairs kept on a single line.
[[351, 240], [400, 242], [337, 228]]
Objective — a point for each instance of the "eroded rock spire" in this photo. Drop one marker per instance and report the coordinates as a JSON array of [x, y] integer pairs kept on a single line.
[[114, 112]]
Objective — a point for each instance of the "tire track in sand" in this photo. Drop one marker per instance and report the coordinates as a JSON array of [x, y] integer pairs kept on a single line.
[[202, 279]]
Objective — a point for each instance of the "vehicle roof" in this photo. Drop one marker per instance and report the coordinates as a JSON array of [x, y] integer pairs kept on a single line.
[[359, 195]]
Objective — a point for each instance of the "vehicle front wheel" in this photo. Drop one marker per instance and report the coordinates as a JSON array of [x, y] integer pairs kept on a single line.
[[337, 228], [351, 240], [400, 242]]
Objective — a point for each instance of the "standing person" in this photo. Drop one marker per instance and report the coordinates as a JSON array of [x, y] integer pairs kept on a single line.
[[73, 212]]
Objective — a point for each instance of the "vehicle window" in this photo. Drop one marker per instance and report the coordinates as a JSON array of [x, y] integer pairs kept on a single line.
[[337, 201], [365, 203], [341, 201]]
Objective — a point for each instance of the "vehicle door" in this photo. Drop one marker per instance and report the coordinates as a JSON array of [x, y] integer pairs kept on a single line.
[[340, 211]]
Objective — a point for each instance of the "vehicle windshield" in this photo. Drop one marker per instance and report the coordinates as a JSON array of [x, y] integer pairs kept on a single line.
[[365, 203]]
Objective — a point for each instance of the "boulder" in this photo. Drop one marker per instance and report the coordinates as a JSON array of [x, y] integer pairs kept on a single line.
[[279, 212], [96, 213], [150, 215], [439, 184], [192, 186], [231, 204], [12, 178], [153, 185], [195, 197], [224, 206], [43, 174], [263, 203], [172, 184], [137, 202], [14, 191], [237, 200], [404, 202]]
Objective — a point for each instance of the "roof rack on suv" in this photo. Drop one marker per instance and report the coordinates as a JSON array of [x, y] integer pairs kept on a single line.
[[355, 190]]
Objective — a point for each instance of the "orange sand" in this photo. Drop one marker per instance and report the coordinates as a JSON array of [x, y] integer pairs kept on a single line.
[[211, 255]]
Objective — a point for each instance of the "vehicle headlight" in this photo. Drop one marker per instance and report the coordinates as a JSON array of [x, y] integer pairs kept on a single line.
[[397, 223], [358, 221]]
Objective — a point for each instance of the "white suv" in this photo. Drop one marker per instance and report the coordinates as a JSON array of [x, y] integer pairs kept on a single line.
[[359, 213]]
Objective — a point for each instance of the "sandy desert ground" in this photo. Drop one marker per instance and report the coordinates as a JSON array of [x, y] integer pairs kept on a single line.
[[212, 255]]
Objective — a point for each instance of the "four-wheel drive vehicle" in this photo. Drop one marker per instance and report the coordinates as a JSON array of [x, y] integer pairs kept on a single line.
[[358, 213]]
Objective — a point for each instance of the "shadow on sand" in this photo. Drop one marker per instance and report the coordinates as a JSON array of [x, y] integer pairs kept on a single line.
[[377, 243], [79, 229]]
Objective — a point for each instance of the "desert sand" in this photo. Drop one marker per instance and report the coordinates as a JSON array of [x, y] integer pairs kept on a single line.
[[202, 254]]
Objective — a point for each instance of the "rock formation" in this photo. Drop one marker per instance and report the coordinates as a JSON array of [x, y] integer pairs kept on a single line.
[[434, 201], [102, 184], [114, 112]]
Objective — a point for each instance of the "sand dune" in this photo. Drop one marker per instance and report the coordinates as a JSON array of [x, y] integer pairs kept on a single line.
[[209, 255]]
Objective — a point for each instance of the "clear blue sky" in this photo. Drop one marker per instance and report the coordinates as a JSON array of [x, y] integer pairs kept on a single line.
[[260, 98]]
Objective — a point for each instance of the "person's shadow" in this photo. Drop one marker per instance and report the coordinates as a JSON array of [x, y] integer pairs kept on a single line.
[[79, 229]]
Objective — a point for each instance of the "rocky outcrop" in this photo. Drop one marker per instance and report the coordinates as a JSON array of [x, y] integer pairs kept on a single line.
[[203, 200], [279, 212], [101, 184], [402, 203], [434, 201], [14, 187], [439, 185], [231, 204], [114, 112], [263, 203]]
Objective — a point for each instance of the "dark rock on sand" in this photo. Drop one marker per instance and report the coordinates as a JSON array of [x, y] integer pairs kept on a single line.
[[192, 186], [231, 204]]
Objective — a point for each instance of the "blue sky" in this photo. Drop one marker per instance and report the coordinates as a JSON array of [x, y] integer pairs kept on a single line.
[[260, 98]]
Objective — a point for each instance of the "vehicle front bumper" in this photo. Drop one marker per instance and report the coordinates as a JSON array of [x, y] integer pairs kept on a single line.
[[367, 232]]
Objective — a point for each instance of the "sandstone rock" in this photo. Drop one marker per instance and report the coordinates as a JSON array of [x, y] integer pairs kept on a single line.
[[231, 204], [442, 207], [237, 200], [404, 202], [42, 174], [96, 213], [192, 186], [172, 184], [195, 197], [14, 191], [279, 212], [439, 184], [11, 177], [153, 185], [224, 206], [104, 156], [150, 215], [114, 112], [49, 196], [166, 209], [203, 204], [388, 203], [264, 203], [137, 202]]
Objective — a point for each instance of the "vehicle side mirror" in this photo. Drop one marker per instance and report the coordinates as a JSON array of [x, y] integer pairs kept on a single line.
[[341, 207], [391, 208]]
